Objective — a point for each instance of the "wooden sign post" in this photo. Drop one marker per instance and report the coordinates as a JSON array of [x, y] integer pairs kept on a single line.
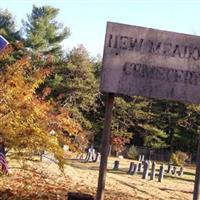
[[197, 176], [150, 63], [105, 146]]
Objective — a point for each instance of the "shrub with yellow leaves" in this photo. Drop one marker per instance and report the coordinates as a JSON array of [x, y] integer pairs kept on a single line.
[[26, 118]]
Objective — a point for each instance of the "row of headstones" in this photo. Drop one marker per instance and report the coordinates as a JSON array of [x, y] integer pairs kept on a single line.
[[171, 169], [90, 157], [141, 158], [135, 168]]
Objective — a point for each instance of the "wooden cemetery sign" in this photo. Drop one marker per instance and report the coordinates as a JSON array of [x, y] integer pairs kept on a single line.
[[151, 63]]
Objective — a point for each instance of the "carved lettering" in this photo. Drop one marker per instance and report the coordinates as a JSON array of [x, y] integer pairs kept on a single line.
[[176, 51], [151, 63], [160, 73], [110, 41], [179, 76], [123, 42], [196, 53], [135, 44], [116, 42], [154, 47], [167, 49], [186, 52]]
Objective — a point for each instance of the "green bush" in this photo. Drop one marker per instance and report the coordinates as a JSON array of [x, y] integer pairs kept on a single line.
[[178, 158], [132, 152]]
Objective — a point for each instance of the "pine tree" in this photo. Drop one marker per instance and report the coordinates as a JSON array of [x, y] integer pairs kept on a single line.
[[43, 33], [74, 84], [8, 26]]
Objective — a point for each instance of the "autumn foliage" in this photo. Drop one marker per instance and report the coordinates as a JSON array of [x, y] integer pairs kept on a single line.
[[26, 118], [119, 140]]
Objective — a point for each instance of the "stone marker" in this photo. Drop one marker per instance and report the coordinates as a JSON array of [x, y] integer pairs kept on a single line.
[[98, 157], [169, 168], [153, 171], [81, 157], [131, 167], [180, 173], [90, 157], [161, 173], [174, 170], [149, 162], [139, 159], [116, 165], [135, 169], [146, 170], [142, 158], [139, 167]]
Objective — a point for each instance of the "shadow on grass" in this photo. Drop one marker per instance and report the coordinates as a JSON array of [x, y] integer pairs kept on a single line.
[[81, 164], [146, 191], [189, 173], [182, 178], [183, 191], [134, 187]]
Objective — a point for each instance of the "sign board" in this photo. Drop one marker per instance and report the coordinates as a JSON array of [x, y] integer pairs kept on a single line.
[[3, 43], [152, 63]]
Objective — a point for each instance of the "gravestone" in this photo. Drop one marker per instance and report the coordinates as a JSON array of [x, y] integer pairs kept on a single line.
[[180, 173], [90, 157], [131, 167], [139, 167], [153, 171], [161, 173], [98, 157], [169, 168], [174, 170], [116, 165], [145, 171], [142, 158], [149, 162], [135, 169], [79, 156]]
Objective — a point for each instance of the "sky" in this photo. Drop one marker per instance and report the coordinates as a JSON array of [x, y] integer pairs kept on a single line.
[[87, 18]]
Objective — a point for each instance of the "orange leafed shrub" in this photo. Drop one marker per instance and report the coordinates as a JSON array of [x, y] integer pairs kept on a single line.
[[26, 119]]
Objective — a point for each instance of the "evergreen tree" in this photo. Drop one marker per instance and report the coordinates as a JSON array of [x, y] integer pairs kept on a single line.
[[74, 84], [8, 30], [43, 33], [8, 26], [167, 117]]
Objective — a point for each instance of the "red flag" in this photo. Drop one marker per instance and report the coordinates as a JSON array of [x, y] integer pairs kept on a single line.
[[4, 163]]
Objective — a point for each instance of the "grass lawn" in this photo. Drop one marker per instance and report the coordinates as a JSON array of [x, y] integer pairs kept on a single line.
[[43, 180]]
